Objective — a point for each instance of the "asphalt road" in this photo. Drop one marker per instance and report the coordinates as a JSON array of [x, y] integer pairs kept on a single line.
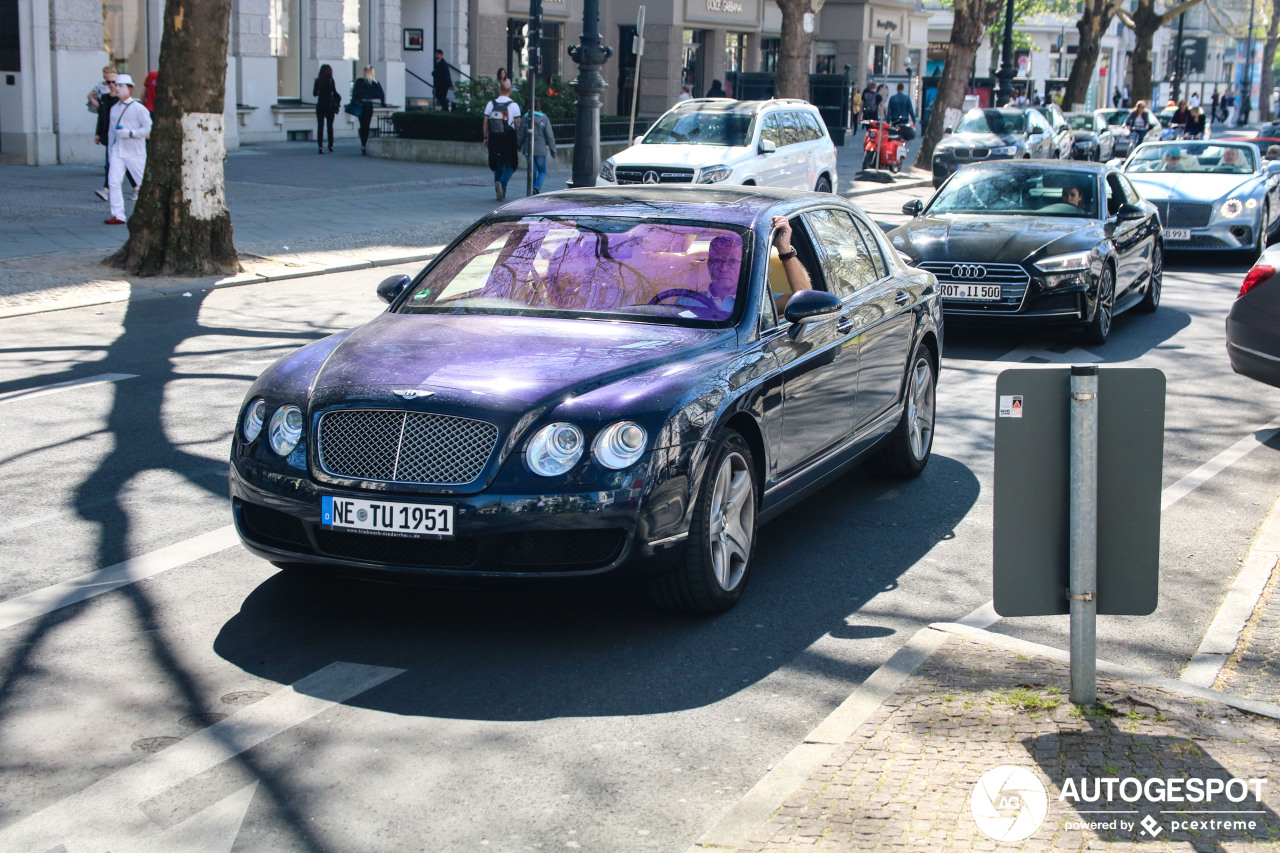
[[377, 718]]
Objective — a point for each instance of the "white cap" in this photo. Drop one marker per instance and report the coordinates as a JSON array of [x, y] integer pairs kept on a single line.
[[124, 80]]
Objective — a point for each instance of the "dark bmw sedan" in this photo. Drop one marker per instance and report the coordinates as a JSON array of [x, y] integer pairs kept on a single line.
[[990, 134], [620, 382], [1253, 324], [1062, 242]]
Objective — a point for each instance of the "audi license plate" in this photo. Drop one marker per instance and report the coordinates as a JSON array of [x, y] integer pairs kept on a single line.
[[983, 292], [389, 518], [1177, 233]]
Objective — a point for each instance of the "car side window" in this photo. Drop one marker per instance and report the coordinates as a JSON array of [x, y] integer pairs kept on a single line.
[[877, 256], [770, 131], [813, 127], [850, 264], [790, 133]]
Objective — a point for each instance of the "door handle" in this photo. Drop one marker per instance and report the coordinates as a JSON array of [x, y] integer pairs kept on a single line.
[[844, 326], [901, 298]]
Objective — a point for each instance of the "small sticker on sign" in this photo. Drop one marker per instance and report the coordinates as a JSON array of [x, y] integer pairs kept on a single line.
[[1011, 406]]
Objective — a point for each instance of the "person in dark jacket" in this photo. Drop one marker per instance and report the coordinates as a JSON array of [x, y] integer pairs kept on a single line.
[[717, 90], [1195, 124], [441, 80], [367, 90], [327, 102]]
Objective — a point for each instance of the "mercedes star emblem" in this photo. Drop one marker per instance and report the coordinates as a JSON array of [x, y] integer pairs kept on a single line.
[[650, 177]]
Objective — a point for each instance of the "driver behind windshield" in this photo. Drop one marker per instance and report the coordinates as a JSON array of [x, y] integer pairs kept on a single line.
[[1074, 196], [1231, 161]]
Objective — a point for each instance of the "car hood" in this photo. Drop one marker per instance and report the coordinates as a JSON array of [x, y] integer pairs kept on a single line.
[[695, 156], [981, 140], [523, 360], [1187, 187], [1004, 239], [1085, 135]]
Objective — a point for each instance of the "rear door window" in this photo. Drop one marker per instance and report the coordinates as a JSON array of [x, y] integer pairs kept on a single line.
[[849, 263]]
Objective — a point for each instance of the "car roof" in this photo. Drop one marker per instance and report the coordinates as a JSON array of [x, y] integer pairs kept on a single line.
[[737, 206], [1068, 165], [729, 105]]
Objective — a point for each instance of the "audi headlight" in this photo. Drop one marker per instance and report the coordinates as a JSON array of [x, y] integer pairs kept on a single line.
[[1065, 263], [554, 449], [1231, 208], [715, 174], [619, 445], [1005, 151], [254, 417], [606, 171], [285, 430]]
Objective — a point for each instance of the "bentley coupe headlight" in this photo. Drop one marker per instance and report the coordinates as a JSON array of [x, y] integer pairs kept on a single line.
[[619, 445], [1005, 151], [606, 171], [715, 174], [254, 417], [1250, 204], [285, 430], [554, 449], [1065, 263], [1231, 208]]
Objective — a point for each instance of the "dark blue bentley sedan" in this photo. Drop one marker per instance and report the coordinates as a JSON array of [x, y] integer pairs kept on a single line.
[[596, 383]]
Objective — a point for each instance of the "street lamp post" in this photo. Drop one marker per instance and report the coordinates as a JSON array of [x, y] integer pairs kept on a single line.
[[1246, 95], [590, 54], [1005, 74], [1177, 59]]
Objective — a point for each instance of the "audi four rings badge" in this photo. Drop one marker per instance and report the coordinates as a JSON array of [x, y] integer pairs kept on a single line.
[[968, 271]]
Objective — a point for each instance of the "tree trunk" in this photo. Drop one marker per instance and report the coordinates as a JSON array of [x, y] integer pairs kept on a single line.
[[181, 225], [793, 61], [1092, 26], [969, 22], [1145, 22], [1268, 62]]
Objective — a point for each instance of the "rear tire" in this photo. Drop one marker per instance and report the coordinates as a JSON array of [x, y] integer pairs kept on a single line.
[[824, 185], [909, 445], [722, 535]]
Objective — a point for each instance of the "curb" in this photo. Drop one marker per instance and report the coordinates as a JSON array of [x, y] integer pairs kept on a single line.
[[757, 806], [1223, 636]]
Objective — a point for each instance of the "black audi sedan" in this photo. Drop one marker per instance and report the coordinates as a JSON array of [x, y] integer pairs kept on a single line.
[[1013, 133], [1048, 242]]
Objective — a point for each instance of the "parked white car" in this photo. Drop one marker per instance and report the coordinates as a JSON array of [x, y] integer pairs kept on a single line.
[[775, 143]]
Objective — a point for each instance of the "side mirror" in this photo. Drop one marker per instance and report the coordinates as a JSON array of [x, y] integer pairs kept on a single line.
[[390, 288], [1130, 213], [808, 305], [947, 130], [915, 207], [768, 146], [638, 140]]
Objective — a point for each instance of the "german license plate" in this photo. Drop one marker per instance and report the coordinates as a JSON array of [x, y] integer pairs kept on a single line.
[[1177, 233], [984, 292], [389, 518]]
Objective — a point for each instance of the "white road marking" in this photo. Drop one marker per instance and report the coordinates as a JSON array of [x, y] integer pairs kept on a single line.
[[108, 811], [58, 387], [49, 599]]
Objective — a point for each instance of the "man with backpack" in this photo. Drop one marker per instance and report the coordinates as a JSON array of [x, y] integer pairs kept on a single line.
[[501, 124]]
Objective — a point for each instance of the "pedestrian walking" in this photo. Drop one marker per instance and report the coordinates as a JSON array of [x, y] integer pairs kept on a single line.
[[501, 125], [1139, 123], [1194, 100], [1195, 124], [1228, 104], [717, 90], [684, 95], [328, 102], [537, 133], [1125, 98], [1115, 97], [901, 110], [365, 91], [501, 76], [106, 87], [149, 91], [102, 99], [1213, 104], [870, 100], [441, 80], [130, 125]]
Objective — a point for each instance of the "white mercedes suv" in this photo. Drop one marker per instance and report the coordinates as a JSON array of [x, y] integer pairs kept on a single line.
[[775, 143]]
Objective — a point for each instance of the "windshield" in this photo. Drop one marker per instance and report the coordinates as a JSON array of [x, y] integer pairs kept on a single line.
[[1193, 157], [601, 268], [1081, 122], [992, 121], [1116, 116], [1035, 192], [702, 128]]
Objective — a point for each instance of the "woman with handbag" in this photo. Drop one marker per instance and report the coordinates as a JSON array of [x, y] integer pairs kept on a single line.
[[327, 102], [366, 90]]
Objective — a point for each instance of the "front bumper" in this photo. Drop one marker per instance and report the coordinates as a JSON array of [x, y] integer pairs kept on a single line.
[[1219, 236], [630, 531]]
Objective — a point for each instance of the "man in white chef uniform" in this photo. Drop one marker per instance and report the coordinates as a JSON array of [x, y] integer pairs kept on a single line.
[[129, 127]]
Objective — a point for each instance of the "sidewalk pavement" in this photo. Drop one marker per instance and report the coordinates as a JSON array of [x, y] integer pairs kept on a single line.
[[294, 213], [898, 764]]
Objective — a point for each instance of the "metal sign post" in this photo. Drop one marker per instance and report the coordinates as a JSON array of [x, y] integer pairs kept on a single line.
[[1083, 558], [638, 49], [535, 59]]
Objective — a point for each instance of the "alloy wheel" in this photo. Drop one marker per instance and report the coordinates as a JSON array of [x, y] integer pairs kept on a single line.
[[732, 521], [920, 408]]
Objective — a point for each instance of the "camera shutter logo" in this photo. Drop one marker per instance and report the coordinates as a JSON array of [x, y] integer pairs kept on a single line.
[[1009, 803]]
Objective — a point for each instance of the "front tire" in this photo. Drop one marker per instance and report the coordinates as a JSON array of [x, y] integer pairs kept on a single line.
[[1155, 282], [908, 448], [722, 535], [868, 160], [1099, 328]]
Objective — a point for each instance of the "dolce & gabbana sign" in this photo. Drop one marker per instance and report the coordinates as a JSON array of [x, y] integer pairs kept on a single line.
[[745, 13]]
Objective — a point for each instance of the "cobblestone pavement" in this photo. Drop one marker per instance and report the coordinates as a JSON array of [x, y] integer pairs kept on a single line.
[[1254, 670], [904, 778]]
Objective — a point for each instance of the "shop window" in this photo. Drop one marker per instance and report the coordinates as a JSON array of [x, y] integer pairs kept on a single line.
[[769, 50], [285, 27], [10, 52], [124, 30], [824, 57]]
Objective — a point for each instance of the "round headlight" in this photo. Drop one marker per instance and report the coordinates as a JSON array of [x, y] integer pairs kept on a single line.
[[619, 445], [285, 429], [1231, 208], [254, 417], [554, 449], [1250, 204]]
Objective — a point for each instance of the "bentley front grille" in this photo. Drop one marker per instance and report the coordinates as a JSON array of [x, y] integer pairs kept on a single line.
[[1184, 214], [404, 447], [1012, 278]]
